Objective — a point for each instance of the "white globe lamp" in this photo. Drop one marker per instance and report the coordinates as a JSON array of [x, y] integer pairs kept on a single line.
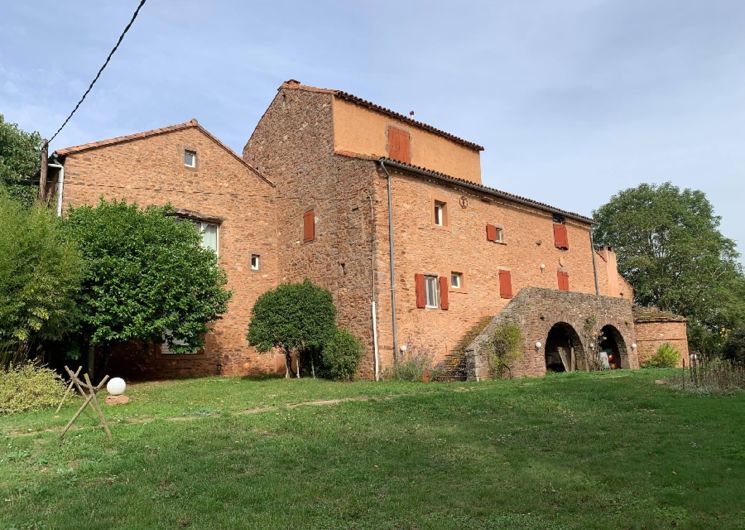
[[116, 386]]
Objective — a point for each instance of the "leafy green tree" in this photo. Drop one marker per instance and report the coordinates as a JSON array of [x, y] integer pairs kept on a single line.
[[296, 318], [341, 356], [20, 154], [147, 277], [671, 250], [39, 274]]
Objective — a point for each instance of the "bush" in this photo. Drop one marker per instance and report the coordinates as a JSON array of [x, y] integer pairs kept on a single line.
[[504, 349], [734, 347], [29, 387], [39, 275], [666, 356], [416, 363], [147, 276], [297, 318], [341, 356]]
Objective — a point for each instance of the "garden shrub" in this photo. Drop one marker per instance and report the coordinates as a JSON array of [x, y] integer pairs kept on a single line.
[[29, 387], [734, 347], [666, 356], [147, 276], [504, 349], [297, 318], [39, 274], [414, 364], [341, 356]]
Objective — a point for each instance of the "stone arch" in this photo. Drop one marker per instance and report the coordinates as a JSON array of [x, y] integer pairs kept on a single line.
[[563, 349], [612, 343]]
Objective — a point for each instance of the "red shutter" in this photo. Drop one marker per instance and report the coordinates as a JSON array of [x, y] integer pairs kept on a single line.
[[444, 302], [399, 145], [561, 240], [421, 299], [563, 278], [491, 233], [505, 284], [309, 226]]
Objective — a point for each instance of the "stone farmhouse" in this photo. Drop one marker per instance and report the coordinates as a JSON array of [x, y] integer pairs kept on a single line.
[[388, 213]]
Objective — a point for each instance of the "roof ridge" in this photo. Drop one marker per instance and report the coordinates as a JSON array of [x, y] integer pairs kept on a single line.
[[293, 84]]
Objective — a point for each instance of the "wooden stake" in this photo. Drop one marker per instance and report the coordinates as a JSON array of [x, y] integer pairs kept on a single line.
[[90, 399], [95, 401], [69, 387]]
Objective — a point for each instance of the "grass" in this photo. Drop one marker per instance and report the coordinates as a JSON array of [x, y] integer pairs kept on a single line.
[[610, 450]]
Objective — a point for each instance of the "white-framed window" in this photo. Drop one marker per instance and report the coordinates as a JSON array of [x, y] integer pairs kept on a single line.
[[500, 234], [255, 262], [431, 291], [456, 280], [190, 158], [440, 213], [210, 236]]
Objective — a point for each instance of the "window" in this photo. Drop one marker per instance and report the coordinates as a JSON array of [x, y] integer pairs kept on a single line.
[[495, 233], [399, 145], [431, 291], [190, 158], [309, 226], [255, 262], [456, 280], [210, 236], [561, 239], [505, 284], [440, 213]]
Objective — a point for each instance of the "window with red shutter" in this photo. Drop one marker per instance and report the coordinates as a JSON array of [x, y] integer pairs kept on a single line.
[[491, 233], [563, 278], [561, 240], [309, 226], [444, 301], [505, 284], [421, 297], [399, 145]]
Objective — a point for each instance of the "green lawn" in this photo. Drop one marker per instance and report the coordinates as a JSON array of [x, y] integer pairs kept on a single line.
[[610, 450]]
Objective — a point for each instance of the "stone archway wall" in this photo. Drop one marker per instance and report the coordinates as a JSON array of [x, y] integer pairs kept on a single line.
[[536, 310]]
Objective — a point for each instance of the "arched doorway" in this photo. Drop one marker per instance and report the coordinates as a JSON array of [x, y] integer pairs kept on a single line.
[[612, 346], [564, 352]]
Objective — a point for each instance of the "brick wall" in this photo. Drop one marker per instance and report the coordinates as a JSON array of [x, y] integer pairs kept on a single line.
[[293, 146], [149, 171], [651, 334], [537, 310]]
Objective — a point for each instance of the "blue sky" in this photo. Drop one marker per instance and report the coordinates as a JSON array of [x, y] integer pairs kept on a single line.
[[574, 100]]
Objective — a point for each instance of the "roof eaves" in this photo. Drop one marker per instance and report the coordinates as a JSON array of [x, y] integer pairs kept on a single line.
[[486, 189]]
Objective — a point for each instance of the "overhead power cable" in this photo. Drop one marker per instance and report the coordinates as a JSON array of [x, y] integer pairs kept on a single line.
[[118, 42]]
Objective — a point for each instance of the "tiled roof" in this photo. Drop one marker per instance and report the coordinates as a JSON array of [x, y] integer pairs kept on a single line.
[[652, 314], [296, 85], [154, 132], [486, 189]]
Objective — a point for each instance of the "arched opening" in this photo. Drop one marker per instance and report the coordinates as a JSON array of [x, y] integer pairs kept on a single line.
[[564, 352], [611, 347]]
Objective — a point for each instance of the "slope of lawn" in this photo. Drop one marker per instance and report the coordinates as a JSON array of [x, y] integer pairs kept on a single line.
[[609, 450]]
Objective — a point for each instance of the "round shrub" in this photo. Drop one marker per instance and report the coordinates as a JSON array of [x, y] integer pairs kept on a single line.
[[666, 356], [29, 387], [342, 355]]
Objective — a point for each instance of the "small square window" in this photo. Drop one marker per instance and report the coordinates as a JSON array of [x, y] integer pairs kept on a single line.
[[190, 158], [255, 262], [456, 280], [440, 213], [431, 291]]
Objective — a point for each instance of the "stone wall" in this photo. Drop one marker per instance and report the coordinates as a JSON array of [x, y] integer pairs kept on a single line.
[[150, 170], [651, 334], [537, 310]]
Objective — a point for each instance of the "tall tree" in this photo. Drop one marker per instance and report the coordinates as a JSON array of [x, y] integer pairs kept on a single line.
[[20, 153], [671, 250]]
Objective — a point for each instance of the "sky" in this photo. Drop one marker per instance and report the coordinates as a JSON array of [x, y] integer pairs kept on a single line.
[[574, 100]]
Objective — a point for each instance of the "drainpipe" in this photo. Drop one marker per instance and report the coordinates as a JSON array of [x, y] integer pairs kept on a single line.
[[594, 267], [392, 262], [373, 304], [60, 186]]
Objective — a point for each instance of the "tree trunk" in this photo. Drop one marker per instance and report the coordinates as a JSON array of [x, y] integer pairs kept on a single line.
[[92, 361]]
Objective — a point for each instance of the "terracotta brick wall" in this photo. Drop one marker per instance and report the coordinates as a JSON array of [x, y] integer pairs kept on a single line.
[[293, 146], [650, 335], [151, 171]]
